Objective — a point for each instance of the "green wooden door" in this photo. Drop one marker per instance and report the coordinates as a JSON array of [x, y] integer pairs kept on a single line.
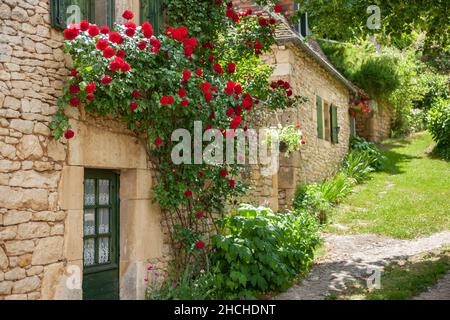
[[101, 236]]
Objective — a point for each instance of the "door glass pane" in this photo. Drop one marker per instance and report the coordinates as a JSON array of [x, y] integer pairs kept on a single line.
[[89, 222], [89, 192], [89, 252], [103, 192], [103, 223], [103, 250]]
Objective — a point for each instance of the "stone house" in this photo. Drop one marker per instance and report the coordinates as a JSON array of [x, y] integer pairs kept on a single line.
[[76, 217]]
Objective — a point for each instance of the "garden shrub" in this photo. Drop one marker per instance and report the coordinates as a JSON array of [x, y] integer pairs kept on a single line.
[[361, 144], [310, 198], [438, 122], [260, 251], [335, 189], [357, 165]]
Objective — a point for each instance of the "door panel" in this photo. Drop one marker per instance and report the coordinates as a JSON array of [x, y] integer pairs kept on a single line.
[[101, 235]]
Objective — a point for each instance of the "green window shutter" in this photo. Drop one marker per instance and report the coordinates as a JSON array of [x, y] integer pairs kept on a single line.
[[334, 124], [57, 14], [319, 117], [152, 11]]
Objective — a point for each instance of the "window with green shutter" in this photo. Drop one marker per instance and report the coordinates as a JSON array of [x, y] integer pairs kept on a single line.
[[319, 109], [66, 12], [153, 12], [334, 124]]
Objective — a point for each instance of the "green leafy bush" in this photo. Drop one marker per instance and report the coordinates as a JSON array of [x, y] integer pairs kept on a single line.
[[260, 251], [335, 189], [310, 198], [357, 165], [361, 144], [438, 122]]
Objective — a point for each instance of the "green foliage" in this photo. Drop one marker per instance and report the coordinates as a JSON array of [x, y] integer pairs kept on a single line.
[[291, 137], [310, 198], [378, 75], [335, 189], [361, 144], [357, 165], [435, 87], [260, 251], [438, 122], [400, 21]]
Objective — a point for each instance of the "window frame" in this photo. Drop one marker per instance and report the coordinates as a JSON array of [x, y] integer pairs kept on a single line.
[[56, 6]]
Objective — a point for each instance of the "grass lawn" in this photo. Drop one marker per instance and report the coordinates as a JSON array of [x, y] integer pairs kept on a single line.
[[400, 281], [409, 198]]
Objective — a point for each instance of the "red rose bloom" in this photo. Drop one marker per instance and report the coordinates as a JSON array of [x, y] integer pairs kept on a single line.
[[232, 183], [75, 102], [182, 93], [116, 64], [184, 103], [223, 173], [90, 97], [135, 94], [177, 33], [158, 142], [120, 53], [130, 32], [199, 72], [102, 44], [84, 25], [199, 214], [231, 67], [90, 87], [218, 68], [166, 100], [289, 93], [156, 44], [229, 112], [128, 15], [130, 25], [262, 22], [188, 193], [133, 105], [200, 244], [93, 31], [108, 52], [277, 8], [238, 89], [247, 104], [208, 96], [74, 73], [71, 33], [147, 30], [106, 79], [142, 45], [115, 38], [258, 45], [74, 88], [104, 30], [125, 67], [186, 74], [228, 90], [211, 58], [237, 120], [69, 134]]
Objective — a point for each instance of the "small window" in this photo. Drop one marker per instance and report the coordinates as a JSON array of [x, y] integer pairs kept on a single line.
[[319, 113], [66, 12]]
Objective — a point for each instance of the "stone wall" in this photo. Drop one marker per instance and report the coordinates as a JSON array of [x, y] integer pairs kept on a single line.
[[318, 158], [41, 180], [375, 126]]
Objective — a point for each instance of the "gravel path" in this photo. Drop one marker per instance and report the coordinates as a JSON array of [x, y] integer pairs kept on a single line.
[[354, 257], [441, 291]]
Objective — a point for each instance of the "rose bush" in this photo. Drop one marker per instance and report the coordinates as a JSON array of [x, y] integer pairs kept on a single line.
[[207, 68]]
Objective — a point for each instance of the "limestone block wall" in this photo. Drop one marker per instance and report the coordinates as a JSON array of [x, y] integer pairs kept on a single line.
[[318, 158], [375, 126], [41, 180]]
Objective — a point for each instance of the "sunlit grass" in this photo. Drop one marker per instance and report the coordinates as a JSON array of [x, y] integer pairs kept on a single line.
[[409, 198]]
